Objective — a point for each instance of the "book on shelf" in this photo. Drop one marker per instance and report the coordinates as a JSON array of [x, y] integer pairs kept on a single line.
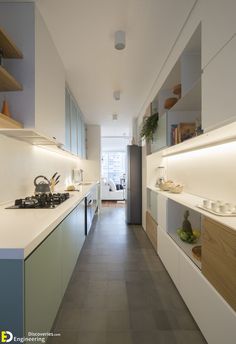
[[182, 131]]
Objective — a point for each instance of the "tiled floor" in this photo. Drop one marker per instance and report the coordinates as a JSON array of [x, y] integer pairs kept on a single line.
[[120, 292]]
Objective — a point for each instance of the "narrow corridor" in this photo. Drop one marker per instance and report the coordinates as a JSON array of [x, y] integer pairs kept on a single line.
[[120, 292]]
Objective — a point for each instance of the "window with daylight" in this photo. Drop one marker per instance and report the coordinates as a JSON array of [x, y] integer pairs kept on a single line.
[[114, 166]]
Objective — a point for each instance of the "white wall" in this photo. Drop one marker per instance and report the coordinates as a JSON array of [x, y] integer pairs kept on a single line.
[[20, 163], [209, 172]]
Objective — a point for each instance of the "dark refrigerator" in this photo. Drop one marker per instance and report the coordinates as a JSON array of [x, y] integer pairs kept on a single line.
[[134, 185]]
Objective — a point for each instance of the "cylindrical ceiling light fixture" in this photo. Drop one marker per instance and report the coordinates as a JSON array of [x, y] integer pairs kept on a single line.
[[120, 40], [116, 95]]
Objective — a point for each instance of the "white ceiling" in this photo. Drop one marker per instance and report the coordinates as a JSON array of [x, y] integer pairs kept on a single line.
[[83, 32]]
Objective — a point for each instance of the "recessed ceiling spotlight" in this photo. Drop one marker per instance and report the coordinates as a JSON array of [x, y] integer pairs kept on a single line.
[[115, 117], [116, 95], [120, 40]]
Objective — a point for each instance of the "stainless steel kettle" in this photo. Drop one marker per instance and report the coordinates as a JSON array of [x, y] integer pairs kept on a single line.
[[42, 186]]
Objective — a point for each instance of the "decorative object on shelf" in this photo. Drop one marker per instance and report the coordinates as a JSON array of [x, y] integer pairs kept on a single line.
[[186, 233], [5, 108], [177, 90], [170, 102], [176, 188], [197, 252], [198, 127], [167, 185], [149, 127], [161, 176], [218, 207], [182, 132]]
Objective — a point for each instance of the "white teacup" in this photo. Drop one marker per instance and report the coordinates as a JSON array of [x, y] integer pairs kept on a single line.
[[206, 203], [215, 207]]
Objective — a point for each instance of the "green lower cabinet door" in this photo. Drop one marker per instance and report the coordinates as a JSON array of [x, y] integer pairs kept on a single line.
[[73, 237], [43, 285], [68, 249], [80, 227]]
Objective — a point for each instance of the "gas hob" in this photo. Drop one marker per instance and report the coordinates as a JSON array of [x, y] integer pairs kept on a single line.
[[40, 201]]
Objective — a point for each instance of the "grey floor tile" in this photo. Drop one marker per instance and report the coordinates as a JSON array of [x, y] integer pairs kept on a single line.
[[119, 337], [117, 302], [142, 320], [154, 337], [186, 337], [95, 301], [65, 337], [91, 320], [116, 287], [118, 321], [120, 292], [91, 338]]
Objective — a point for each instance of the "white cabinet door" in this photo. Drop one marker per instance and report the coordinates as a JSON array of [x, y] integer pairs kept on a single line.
[[169, 254], [218, 89], [161, 211], [79, 133], [67, 121], [49, 84], [218, 25], [43, 284], [73, 119], [213, 315]]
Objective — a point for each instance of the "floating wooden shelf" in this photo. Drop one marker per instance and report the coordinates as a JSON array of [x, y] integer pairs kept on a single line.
[[8, 82], [8, 122], [191, 101], [8, 47]]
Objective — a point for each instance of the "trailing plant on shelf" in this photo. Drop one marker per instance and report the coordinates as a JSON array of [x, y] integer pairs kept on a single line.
[[150, 125]]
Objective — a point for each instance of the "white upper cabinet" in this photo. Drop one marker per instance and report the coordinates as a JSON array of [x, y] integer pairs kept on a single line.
[[219, 24], [218, 89], [75, 127], [49, 84]]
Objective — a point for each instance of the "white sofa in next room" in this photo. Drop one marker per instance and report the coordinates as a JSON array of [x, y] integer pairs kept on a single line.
[[109, 192]]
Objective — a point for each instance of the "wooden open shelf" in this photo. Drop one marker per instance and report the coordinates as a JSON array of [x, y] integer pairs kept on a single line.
[[191, 101], [9, 49], [8, 122], [8, 82]]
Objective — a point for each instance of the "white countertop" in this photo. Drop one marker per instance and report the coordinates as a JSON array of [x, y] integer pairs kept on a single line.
[[22, 230], [192, 201]]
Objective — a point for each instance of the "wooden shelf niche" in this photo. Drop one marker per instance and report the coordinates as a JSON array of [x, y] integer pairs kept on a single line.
[[8, 82], [8, 50], [8, 47], [8, 122]]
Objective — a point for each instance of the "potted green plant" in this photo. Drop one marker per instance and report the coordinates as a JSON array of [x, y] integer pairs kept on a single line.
[[150, 125]]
